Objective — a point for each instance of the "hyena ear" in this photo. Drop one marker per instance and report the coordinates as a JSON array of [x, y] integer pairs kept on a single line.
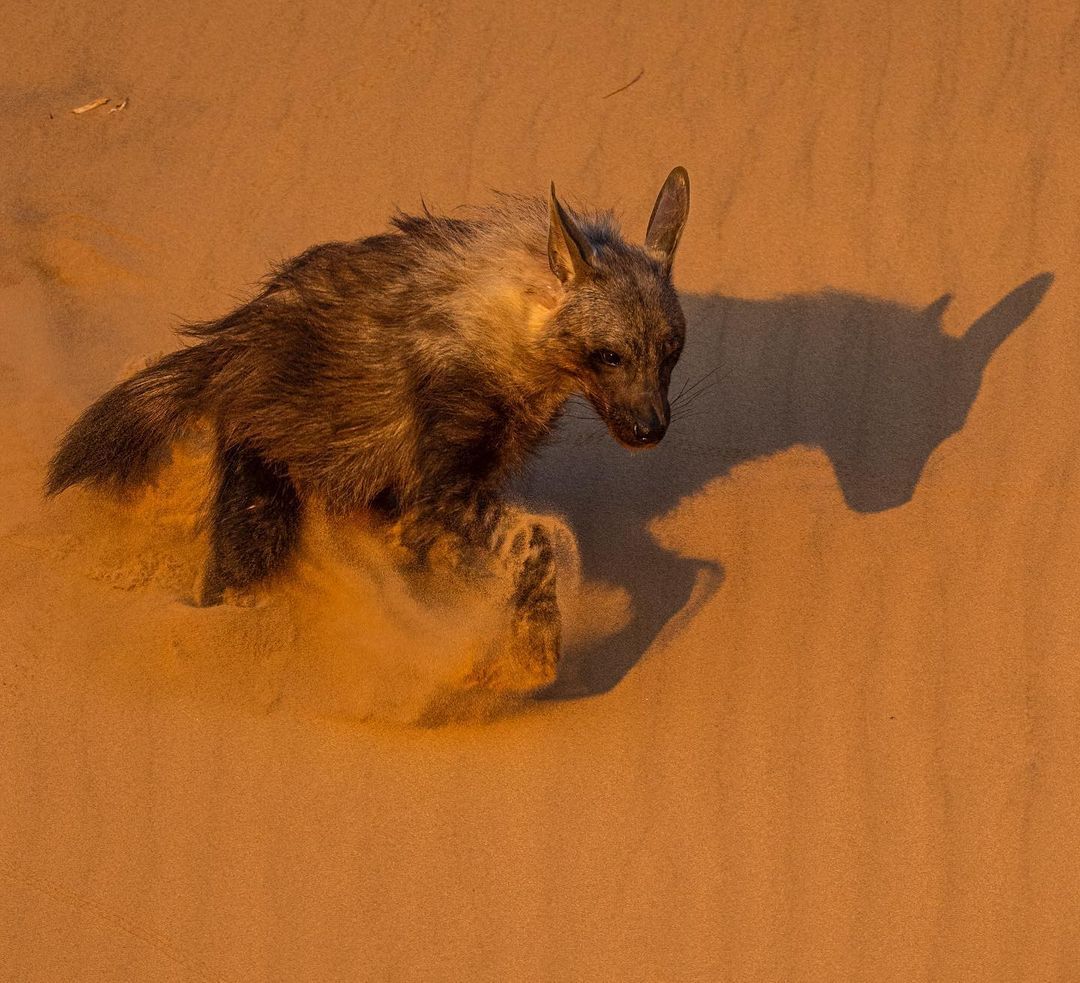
[[570, 254], [668, 218]]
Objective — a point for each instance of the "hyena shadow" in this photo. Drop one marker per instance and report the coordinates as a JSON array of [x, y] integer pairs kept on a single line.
[[875, 384]]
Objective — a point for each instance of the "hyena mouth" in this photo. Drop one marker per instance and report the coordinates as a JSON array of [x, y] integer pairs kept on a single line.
[[636, 446], [635, 438]]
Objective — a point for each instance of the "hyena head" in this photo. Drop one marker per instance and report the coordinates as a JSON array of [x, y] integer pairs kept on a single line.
[[619, 327]]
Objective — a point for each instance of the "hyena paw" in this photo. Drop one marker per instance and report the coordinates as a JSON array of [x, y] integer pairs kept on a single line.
[[527, 656], [537, 640]]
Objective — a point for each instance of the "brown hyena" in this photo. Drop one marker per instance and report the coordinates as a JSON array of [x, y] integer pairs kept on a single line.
[[409, 374]]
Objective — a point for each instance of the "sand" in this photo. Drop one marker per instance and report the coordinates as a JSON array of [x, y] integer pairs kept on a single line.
[[820, 719]]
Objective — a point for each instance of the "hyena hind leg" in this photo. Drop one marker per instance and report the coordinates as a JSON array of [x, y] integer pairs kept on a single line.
[[254, 522]]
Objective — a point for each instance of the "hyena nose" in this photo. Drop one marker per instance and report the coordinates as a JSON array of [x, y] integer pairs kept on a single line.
[[649, 431]]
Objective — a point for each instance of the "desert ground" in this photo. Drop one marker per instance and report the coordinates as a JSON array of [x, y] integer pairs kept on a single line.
[[819, 716]]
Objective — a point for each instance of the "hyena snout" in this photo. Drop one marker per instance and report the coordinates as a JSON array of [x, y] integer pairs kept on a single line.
[[644, 422]]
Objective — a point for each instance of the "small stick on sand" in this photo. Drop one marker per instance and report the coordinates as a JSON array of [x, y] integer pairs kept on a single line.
[[622, 88], [90, 105], [122, 104]]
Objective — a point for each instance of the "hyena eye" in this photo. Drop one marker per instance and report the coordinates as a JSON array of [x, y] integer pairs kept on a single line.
[[607, 357]]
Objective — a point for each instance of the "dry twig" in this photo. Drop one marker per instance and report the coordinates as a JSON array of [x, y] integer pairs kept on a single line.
[[79, 110], [623, 88]]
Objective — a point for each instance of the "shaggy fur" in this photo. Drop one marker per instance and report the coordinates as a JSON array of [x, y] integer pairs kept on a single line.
[[410, 373]]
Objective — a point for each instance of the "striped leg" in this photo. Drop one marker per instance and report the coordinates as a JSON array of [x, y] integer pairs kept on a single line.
[[254, 522], [529, 657], [522, 547]]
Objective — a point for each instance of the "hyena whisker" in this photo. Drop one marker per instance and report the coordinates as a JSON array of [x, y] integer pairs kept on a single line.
[[678, 396], [687, 403], [692, 381], [693, 397], [688, 393], [690, 412]]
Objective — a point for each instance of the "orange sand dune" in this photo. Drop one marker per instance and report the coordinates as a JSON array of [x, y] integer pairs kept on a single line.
[[819, 716]]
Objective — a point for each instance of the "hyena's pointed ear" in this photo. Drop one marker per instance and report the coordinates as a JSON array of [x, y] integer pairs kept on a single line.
[[668, 218], [570, 254]]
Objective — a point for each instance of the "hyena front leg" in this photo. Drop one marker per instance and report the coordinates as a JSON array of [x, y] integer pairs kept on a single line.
[[522, 546], [491, 533], [536, 628], [254, 522]]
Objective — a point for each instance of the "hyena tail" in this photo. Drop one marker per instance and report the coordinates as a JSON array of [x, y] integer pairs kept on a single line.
[[124, 438]]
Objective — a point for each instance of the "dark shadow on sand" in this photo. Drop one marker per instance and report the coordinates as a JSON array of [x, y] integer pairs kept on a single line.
[[875, 384]]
